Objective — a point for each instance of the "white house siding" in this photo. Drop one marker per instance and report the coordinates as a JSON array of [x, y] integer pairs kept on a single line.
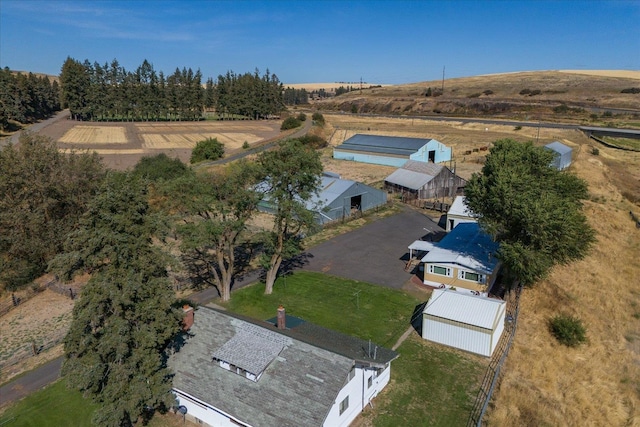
[[207, 414], [359, 395]]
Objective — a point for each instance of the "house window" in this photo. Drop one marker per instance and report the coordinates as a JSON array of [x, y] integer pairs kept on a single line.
[[344, 405], [370, 382], [473, 277], [442, 271]]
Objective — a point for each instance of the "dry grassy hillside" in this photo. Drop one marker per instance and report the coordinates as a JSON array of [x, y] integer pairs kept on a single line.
[[585, 95], [597, 384]]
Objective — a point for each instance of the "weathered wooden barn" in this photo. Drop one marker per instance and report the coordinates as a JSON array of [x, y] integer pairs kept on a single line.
[[424, 180], [391, 150]]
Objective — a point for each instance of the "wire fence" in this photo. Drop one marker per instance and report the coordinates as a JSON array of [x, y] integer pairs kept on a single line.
[[492, 376]]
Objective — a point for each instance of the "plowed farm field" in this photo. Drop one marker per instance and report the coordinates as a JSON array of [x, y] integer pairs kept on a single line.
[[122, 145]]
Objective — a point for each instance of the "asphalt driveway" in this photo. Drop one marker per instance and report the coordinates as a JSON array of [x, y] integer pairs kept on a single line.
[[375, 253]]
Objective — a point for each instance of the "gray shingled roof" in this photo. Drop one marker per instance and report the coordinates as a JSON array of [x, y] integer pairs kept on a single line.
[[383, 144], [298, 387]]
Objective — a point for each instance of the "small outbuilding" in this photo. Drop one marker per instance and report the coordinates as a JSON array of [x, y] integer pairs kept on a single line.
[[459, 213], [338, 199], [467, 322], [391, 150], [562, 155], [423, 180]]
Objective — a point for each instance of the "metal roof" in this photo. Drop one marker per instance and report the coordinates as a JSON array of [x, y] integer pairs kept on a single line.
[[468, 246], [383, 144], [409, 179], [459, 208], [427, 168], [421, 245], [558, 147], [465, 308], [330, 189]]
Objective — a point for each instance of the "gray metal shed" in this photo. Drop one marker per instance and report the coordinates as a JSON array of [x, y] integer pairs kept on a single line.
[[340, 198], [562, 159]]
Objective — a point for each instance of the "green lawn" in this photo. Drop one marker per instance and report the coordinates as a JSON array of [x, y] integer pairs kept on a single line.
[[52, 406], [355, 308], [430, 385], [633, 144]]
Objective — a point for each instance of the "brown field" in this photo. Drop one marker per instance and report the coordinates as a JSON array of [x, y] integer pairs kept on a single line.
[[122, 144]]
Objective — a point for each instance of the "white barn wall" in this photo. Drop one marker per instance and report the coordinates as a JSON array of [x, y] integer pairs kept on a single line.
[[369, 158]]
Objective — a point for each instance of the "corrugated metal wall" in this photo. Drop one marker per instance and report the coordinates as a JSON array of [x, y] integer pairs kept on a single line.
[[341, 207], [474, 341]]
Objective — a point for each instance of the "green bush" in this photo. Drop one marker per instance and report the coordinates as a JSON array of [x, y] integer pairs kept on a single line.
[[302, 117], [354, 109], [517, 127], [245, 145], [595, 151], [209, 149], [318, 118], [290, 123], [313, 141], [568, 330], [159, 167], [488, 92]]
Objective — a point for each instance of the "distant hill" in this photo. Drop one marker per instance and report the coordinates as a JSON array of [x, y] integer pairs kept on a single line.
[[536, 95]]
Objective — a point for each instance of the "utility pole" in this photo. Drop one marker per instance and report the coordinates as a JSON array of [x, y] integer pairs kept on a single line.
[[443, 78], [360, 85]]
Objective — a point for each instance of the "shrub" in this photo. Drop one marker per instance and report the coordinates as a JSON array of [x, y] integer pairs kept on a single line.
[[594, 116], [535, 92], [245, 145], [318, 118], [631, 90], [474, 95], [607, 114], [568, 330], [517, 127], [290, 123], [313, 141], [354, 109], [302, 117], [428, 92], [159, 167], [525, 91], [209, 149], [595, 151], [488, 92], [561, 109]]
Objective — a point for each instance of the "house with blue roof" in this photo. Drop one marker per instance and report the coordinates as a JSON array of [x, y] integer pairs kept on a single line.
[[391, 150], [465, 260]]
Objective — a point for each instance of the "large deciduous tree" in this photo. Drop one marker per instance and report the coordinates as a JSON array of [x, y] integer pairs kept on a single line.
[[533, 210], [43, 193], [213, 210], [291, 176], [124, 320]]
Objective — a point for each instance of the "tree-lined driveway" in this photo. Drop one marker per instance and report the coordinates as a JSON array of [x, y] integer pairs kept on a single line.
[[375, 253]]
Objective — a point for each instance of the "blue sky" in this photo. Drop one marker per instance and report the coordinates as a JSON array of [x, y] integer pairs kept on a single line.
[[325, 41]]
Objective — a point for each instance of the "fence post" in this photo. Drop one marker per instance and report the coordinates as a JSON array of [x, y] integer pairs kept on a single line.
[[71, 294], [14, 300]]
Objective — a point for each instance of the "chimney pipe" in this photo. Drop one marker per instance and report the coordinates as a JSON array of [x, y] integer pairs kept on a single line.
[[281, 322], [188, 319]]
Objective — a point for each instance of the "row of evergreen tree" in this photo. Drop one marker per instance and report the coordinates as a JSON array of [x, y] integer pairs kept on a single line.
[[26, 98], [109, 92]]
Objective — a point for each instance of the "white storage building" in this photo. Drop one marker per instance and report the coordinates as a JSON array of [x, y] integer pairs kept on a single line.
[[467, 322]]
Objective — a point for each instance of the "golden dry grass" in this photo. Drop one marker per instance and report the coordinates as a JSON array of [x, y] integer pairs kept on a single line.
[[629, 74], [94, 135], [597, 384]]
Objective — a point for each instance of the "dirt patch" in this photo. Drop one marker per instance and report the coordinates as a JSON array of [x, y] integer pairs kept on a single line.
[[122, 145]]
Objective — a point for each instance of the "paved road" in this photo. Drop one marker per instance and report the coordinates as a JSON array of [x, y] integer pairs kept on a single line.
[[36, 127], [30, 382]]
